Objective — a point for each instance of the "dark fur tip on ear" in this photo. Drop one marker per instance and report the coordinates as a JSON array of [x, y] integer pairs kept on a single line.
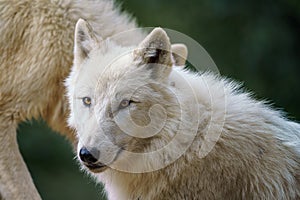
[[155, 48], [85, 40]]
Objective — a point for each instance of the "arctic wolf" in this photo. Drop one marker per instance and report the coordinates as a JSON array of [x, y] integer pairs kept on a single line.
[[150, 130], [36, 42]]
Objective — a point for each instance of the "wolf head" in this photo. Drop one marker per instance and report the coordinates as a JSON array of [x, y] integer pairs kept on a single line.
[[123, 104]]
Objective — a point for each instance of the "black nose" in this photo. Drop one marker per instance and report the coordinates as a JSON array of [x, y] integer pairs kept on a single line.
[[86, 156]]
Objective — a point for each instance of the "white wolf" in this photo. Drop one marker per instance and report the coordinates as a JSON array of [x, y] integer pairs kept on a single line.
[[150, 130]]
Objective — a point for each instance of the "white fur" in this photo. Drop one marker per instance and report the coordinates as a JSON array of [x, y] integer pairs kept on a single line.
[[226, 144]]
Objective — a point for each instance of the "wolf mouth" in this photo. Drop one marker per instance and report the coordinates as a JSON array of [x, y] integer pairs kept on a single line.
[[96, 168], [100, 167]]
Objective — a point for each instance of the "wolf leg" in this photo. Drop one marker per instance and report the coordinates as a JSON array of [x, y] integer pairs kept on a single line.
[[15, 180]]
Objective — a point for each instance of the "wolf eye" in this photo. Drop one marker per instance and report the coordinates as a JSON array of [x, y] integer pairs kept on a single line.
[[124, 103], [87, 101]]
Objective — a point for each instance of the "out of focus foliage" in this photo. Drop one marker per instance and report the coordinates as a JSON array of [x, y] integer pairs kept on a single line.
[[256, 42]]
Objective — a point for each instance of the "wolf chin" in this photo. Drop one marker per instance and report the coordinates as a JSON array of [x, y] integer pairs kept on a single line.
[[149, 129]]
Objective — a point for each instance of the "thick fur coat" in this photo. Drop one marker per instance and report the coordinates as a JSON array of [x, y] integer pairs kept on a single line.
[[36, 54], [221, 143]]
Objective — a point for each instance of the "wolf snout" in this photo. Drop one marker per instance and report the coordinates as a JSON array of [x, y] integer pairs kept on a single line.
[[89, 157]]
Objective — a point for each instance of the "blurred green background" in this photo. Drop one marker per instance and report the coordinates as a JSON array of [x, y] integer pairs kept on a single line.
[[256, 42]]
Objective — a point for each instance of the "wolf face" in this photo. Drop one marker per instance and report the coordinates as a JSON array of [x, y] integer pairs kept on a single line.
[[124, 106]]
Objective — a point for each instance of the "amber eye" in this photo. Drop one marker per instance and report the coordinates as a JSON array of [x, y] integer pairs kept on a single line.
[[124, 103], [86, 101]]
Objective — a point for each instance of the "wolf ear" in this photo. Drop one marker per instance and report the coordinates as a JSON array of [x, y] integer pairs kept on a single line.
[[85, 41], [155, 50], [179, 53]]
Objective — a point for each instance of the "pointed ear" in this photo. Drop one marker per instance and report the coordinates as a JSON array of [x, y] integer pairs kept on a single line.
[[179, 54], [155, 52], [85, 41]]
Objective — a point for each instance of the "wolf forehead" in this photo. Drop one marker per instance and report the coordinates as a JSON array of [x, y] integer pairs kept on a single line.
[[104, 66], [111, 67], [106, 76]]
